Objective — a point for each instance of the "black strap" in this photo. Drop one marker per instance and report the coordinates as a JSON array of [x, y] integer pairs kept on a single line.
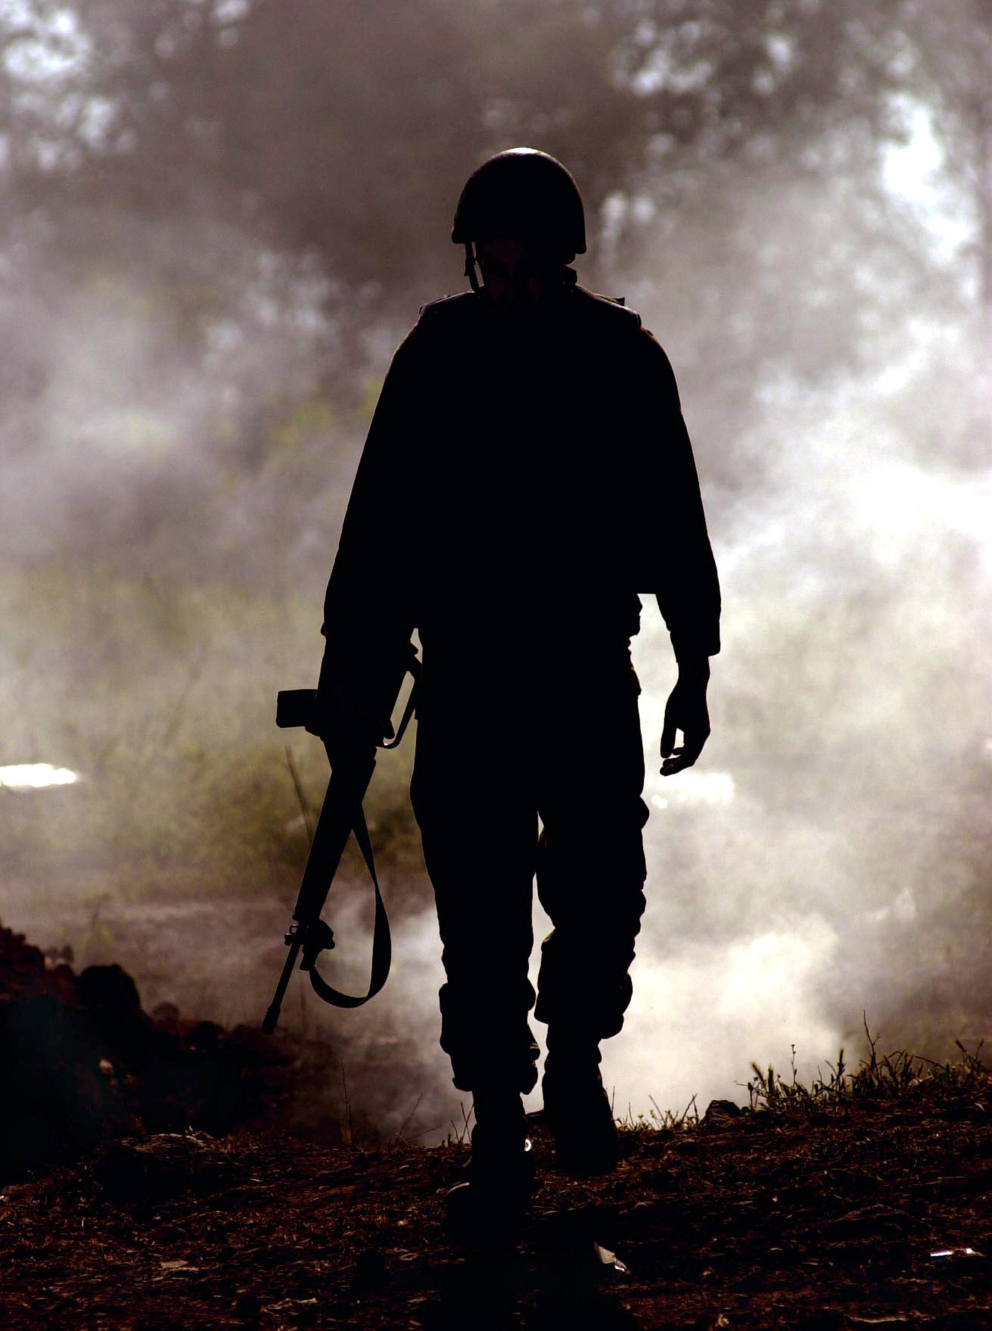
[[382, 948]]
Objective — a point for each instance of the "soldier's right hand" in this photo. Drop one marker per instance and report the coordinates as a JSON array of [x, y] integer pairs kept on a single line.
[[336, 719], [686, 710]]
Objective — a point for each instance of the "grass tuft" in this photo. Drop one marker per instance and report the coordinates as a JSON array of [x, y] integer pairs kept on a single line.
[[878, 1077]]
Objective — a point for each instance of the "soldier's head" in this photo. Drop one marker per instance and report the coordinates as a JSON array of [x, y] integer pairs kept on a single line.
[[520, 218]]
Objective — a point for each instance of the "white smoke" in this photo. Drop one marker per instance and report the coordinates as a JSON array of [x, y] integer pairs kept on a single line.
[[823, 858]]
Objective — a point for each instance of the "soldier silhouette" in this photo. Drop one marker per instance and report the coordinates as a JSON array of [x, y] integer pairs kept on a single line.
[[526, 474]]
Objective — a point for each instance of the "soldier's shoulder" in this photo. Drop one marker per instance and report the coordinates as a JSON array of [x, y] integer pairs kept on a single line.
[[608, 312], [449, 312]]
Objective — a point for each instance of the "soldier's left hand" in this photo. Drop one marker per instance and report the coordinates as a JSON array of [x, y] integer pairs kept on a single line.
[[685, 710]]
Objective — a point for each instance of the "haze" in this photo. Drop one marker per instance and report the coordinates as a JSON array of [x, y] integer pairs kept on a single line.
[[217, 221]]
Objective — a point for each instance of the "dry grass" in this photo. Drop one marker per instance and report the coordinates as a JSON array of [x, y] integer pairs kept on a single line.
[[877, 1077]]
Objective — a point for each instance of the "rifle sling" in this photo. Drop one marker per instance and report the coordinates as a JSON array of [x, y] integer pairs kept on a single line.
[[381, 943]]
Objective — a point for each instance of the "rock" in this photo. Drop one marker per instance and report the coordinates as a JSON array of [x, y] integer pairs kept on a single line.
[[721, 1111], [83, 1063], [248, 1307], [153, 1169]]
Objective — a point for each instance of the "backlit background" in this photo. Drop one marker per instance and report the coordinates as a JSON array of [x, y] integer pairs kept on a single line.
[[217, 219]]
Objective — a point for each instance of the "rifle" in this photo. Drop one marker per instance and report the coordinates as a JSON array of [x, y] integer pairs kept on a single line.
[[341, 814]]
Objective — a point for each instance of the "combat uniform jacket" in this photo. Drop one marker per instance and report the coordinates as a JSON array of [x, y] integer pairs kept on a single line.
[[525, 474]]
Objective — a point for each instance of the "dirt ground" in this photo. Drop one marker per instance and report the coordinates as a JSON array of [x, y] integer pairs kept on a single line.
[[815, 1218]]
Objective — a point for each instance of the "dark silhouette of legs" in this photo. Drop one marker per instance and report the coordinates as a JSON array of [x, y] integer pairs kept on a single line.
[[479, 833], [562, 743]]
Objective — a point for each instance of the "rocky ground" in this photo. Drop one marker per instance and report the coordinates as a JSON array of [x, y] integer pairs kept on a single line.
[[805, 1217], [150, 1183]]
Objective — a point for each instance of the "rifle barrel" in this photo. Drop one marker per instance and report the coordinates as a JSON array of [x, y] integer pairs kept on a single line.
[[272, 1015]]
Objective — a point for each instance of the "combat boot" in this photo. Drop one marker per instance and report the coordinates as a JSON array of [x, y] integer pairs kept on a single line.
[[488, 1208], [578, 1110]]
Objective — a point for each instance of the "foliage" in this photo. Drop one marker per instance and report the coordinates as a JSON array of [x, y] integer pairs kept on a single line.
[[877, 1077], [219, 215], [273, 111], [184, 777]]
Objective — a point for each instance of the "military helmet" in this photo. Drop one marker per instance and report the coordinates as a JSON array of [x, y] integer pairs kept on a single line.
[[522, 194]]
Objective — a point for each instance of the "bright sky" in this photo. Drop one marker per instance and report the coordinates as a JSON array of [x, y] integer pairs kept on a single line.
[[35, 776], [912, 173]]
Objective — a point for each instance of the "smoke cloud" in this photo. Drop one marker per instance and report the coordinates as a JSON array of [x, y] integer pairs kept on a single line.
[[183, 396]]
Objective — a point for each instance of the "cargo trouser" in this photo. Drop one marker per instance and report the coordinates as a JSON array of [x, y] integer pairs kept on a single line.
[[497, 750]]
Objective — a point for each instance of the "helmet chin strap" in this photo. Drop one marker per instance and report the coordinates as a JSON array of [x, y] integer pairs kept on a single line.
[[568, 275], [470, 272]]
